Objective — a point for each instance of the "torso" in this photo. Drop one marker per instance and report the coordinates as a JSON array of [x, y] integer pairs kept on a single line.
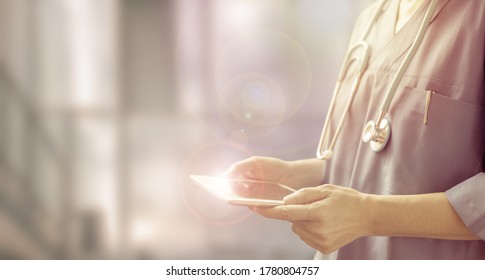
[[419, 158]]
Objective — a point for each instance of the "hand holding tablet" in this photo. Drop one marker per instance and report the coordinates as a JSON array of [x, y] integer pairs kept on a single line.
[[244, 192]]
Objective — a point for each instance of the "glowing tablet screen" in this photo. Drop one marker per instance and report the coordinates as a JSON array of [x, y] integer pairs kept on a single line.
[[244, 192]]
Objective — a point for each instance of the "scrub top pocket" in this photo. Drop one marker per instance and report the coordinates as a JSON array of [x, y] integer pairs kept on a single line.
[[441, 108], [445, 151]]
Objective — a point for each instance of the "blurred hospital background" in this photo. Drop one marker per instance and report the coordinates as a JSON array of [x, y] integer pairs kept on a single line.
[[107, 106]]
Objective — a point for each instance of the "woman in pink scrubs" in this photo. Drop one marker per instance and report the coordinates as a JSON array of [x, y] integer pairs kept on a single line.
[[423, 196]]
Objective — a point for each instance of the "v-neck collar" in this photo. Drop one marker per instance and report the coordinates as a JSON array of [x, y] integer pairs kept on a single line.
[[390, 18], [395, 45], [404, 13]]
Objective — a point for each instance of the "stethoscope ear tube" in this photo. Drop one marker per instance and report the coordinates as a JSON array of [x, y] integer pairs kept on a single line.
[[362, 61], [327, 153]]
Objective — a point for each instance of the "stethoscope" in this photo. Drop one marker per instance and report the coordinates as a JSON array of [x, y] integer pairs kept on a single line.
[[378, 132]]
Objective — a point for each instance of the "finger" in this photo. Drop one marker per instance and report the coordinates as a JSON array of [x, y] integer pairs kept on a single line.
[[312, 239], [277, 212], [289, 213], [243, 169], [236, 170], [241, 188], [306, 236], [307, 195], [302, 232]]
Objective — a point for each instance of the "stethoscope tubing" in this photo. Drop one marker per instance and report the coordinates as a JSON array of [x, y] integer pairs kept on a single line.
[[327, 153], [391, 92]]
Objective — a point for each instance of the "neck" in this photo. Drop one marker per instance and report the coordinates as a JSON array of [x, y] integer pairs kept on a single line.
[[406, 10]]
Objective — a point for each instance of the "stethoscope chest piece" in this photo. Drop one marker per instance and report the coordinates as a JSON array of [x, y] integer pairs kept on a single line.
[[377, 136]]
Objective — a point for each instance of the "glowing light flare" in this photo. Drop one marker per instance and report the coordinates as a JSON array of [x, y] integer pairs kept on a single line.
[[262, 78], [142, 230], [252, 105], [210, 159], [238, 14], [255, 96]]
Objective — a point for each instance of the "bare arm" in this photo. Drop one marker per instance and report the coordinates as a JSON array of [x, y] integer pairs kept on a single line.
[[425, 215], [306, 172], [329, 217]]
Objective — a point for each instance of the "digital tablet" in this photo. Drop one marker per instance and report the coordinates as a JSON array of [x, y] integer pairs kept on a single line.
[[244, 192]]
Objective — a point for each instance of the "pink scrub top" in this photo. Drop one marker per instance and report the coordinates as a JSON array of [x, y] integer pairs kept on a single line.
[[443, 155]]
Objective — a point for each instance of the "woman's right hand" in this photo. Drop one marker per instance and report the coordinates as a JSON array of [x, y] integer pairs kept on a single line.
[[260, 168], [294, 174]]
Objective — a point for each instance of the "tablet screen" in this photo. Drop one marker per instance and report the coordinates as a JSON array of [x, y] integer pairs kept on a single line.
[[244, 192]]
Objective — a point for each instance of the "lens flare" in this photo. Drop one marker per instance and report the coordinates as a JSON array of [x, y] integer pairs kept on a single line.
[[262, 78], [211, 159]]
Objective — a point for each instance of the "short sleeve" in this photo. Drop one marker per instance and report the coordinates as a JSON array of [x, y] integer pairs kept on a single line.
[[468, 200]]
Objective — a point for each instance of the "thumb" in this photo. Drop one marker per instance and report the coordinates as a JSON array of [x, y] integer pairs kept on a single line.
[[307, 195]]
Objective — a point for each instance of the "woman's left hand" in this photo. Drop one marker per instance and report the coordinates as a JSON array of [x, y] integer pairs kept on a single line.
[[325, 217]]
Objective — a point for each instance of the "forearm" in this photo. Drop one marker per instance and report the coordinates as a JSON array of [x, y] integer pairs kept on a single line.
[[426, 215], [306, 172]]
